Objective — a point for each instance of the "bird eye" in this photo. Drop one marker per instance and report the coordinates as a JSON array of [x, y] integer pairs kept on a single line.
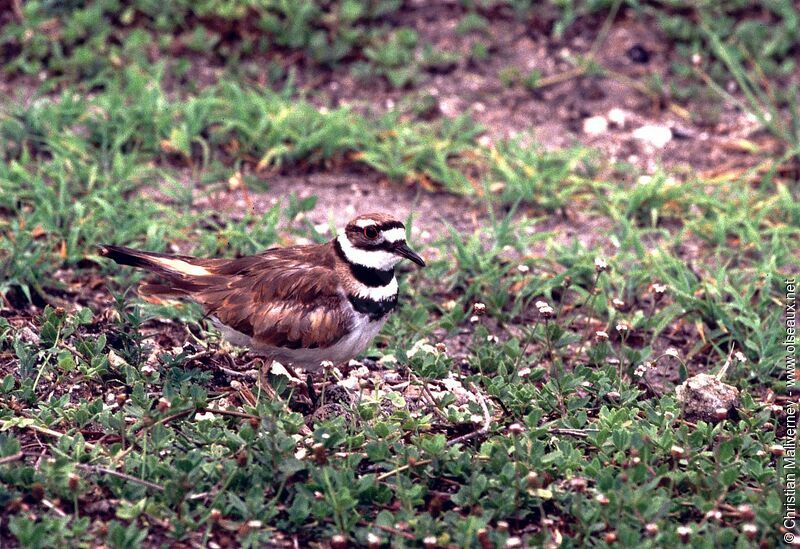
[[371, 232]]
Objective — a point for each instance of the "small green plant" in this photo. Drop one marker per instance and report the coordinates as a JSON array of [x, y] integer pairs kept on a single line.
[[472, 22], [524, 173]]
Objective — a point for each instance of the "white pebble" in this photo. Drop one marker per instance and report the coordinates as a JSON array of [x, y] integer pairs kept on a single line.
[[657, 136], [595, 125], [617, 117]]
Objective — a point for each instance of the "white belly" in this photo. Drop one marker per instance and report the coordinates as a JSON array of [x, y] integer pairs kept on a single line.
[[363, 332]]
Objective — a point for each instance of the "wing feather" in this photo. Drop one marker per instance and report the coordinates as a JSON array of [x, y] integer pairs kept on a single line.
[[281, 298]]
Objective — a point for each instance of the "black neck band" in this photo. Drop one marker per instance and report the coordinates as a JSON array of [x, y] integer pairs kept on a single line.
[[368, 276], [374, 309]]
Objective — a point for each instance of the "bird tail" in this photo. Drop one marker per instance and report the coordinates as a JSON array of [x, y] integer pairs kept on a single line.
[[181, 272]]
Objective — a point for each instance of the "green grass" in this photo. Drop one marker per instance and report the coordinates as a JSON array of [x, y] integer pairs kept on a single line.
[[68, 162], [474, 424], [89, 42]]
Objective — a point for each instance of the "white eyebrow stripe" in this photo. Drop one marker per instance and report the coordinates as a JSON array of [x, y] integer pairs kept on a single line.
[[364, 223], [394, 235], [375, 259]]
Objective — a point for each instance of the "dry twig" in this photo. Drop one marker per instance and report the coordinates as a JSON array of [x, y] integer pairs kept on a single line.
[[12, 457], [400, 469], [580, 433], [51, 432], [97, 470]]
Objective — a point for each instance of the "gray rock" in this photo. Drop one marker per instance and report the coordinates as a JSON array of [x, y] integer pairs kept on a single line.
[[705, 397]]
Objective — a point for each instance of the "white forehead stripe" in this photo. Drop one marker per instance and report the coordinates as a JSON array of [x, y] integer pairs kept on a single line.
[[394, 235], [374, 259], [364, 223]]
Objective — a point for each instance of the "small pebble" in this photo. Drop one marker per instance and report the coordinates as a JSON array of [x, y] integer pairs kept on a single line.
[[657, 136], [617, 117], [595, 125], [639, 54]]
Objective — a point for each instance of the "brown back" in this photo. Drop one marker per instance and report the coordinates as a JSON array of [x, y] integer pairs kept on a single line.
[[284, 297]]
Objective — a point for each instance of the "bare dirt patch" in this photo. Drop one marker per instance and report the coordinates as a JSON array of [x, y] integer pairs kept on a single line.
[[703, 132], [343, 195]]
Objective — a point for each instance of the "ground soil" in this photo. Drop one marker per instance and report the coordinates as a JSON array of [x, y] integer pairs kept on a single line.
[[708, 134], [705, 129]]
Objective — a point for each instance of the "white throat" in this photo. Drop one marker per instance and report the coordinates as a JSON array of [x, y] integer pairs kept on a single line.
[[373, 259]]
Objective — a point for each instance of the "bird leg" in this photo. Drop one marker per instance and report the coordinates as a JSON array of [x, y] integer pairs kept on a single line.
[[312, 393], [263, 380]]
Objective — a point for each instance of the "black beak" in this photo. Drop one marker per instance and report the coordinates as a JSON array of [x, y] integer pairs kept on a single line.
[[401, 248]]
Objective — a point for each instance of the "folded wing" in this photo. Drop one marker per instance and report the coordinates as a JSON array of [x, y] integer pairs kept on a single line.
[[283, 297]]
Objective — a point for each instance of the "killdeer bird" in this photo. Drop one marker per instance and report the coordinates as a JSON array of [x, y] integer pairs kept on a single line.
[[299, 305]]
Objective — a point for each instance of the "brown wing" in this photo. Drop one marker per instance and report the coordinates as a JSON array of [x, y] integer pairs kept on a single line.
[[285, 297]]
